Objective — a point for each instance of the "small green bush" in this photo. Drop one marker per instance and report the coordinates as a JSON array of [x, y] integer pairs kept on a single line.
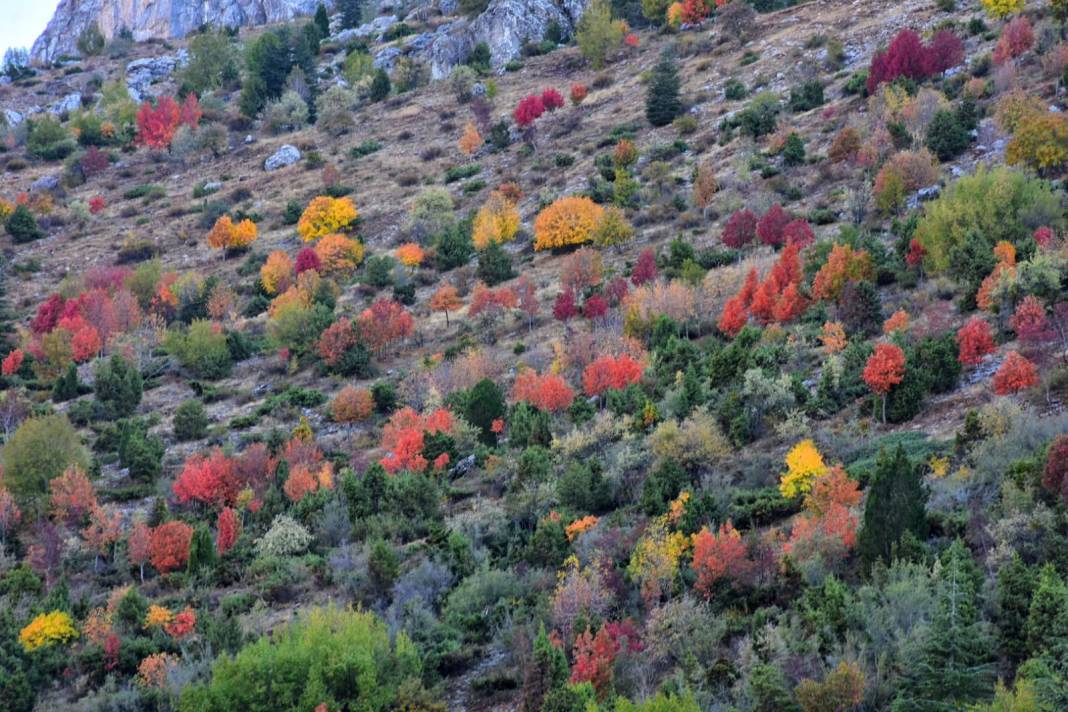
[[190, 420]]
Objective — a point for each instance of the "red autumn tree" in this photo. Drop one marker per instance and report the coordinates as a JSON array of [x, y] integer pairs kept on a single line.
[[139, 546], [564, 307], [384, 323], [12, 362], [1029, 321], [169, 546], [1016, 38], [529, 109], [762, 308], [156, 124], [974, 341], [770, 227], [645, 268], [791, 304], [945, 50], [307, 259], [73, 496], [552, 99], [734, 316], [595, 307], [1055, 473], [595, 657], [190, 113], [719, 556], [549, 392], [884, 370], [48, 315], [103, 530], [209, 480], [740, 229], [905, 57], [228, 528], [336, 340], [1016, 374], [798, 233], [610, 373], [916, 253]]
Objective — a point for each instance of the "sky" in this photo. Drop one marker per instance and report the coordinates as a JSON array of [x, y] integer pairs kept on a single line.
[[23, 21]]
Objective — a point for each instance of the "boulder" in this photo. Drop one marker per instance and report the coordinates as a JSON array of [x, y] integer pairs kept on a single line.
[[141, 74], [45, 183], [66, 105], [373, 28], [386, 58], [285, 156]]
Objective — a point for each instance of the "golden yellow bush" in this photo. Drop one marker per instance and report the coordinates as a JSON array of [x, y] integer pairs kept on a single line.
[[568, 221], [613, 228], [1003, 8], [325, 215], [1040, 142], [225, 234], [471, 141], [47, 629], [804, 465], [158, 616], [496, 221]]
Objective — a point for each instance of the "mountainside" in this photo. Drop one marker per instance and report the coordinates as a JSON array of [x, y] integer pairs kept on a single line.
[[537, 355], [163, 19]]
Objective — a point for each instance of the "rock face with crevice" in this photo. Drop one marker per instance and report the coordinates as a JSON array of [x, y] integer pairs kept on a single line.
[[157, 18]]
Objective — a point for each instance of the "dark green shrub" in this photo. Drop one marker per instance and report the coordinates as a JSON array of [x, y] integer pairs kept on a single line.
[[190, 420], [494, 264], [22, 226], [807, 96], [118, 386]]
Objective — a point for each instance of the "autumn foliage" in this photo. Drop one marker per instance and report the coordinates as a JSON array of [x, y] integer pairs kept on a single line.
[[208, 479], [719, 557], [974, 341], [907, 57], [403, 436], [229, 236], [610, 373], [384, 323], [548, 392], [352, 404], [496, 221], [338, 254], [324, 216], [1015, 374], [567, 221], [169, 545], [156, 124], [228, 527]]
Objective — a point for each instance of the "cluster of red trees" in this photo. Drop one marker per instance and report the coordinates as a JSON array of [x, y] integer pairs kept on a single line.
[[595, 655], [404, 437], [534, 105], [777, 299], [156, 124], [214, 479], [907, 57], [607, 373], [548, 392], [776, 227]]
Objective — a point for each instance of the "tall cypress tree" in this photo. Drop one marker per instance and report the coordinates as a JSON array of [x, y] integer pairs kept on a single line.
[[1048, 614], [662, 103], [351, 13], [953, 668], [322, 21], [1016, 585], [896, 504]]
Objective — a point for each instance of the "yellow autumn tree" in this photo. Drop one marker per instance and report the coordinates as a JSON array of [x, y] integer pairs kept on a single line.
[[568, 221], [496, 221], [1003, 8], [655, 561], [276, 274], [225, 234], [338, 253], [410, 255], [804, 465], [1040, 142], [48, 629], [471, 141], [325, 215]]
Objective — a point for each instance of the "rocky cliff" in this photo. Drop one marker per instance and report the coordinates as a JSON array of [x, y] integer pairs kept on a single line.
[[156, 18]]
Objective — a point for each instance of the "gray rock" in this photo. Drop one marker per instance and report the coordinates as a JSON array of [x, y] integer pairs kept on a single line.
[[13, 118], [212, 187], [462, 467], [66, 105], [923, 195], [248, 138], [157, 18], [141, 74], [386, 58], [45, 183], [448, 7], [285, 156], [373, 28]]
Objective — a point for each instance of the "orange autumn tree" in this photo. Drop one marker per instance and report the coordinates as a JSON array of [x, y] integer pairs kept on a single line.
[[169, 546], [471, 140], [410, 255], [384, 323], [828, 527], [338, 254], [446, 299], [225, 235], [324, 216], [844, 264], [352, 404], [73, 496], [719, 557], [496, 221], [898, 322], [1015, 374], [156, 124], [1004, 269], [549, 392], [974, 341], [884, 370], [571, 220], [610, 373], [403, 438], [833, 337]]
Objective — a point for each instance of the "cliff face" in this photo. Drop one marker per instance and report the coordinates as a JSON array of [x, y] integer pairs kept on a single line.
[[157, 18]]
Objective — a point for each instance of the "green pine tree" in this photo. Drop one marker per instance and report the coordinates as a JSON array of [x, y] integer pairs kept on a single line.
[[953, 667], [1016, 586], [201, 550], [66, 386], [662, 103], [351, 13], [896, 504], [547, 671], [380, 85], [485, 404], [1047, 613], [322, 21]]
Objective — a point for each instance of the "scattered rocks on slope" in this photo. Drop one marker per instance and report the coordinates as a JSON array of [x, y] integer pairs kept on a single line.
[[141, 74], [66, 105]]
